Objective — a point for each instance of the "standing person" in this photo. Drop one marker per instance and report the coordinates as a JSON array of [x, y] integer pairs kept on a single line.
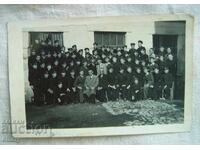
[[44, 87], [158, 81], [111, 78], [152, 65], [130, 63], [140, 47], [121, 83], [168, 82], [56, 65], [143, 56], [62, 87], [101, 66], [115, 65], [171, 64], [92, 66], [102, 87], [122, 64], [34, 81], [49, 58], [77, 67], [168, 52], [95, 48], [71, 89], [161, 64], [49, 68], [49, 46], [51, 92], [137, 90], [91, 83], [84, 68], [139, 75], [80, 55], [43, 46], [79, 84], [148, 84], [129, 84], [36, 46], [161, 52], [57, 47], [132, 50], [31, 59], [74, 49]]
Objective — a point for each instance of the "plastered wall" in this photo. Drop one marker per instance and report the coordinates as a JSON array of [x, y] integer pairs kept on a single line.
[[9, 13]]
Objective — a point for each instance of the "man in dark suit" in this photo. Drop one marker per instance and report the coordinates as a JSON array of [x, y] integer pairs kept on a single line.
[[168, 81], [52, 91], [102, 86], [61, 88], [95, 48], [132, 50], [57, 47], [158, 83], [111, 79], [129, 83], [32, 58], [71, 89], [140, 47], [44, 84], [137, 90], [34, 81], [121, 83]]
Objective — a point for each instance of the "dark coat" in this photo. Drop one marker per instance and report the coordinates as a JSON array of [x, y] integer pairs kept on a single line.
[[31, 60], [168, 79], [71, 81], [148, 79], [121, 79], [34, 76], [44, 84], [79, 81], [103, 81], [111, 78], [158, 79], [130, 78]]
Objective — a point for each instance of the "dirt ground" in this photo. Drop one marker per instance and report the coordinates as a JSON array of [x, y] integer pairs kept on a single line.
[[79, 115]]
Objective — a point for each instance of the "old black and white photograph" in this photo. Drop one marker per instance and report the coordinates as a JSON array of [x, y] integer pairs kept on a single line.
[[123, 72]]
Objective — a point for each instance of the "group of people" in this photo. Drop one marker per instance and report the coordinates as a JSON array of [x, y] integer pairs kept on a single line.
[[59, 76]]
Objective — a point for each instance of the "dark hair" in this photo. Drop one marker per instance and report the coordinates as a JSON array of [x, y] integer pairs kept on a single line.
[[140, 42], [132, 44]]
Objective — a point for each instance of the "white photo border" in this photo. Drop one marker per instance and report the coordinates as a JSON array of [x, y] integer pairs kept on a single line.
[[17, 88]]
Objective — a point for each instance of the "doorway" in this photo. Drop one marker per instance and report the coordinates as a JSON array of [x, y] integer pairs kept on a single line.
[[165, 41]]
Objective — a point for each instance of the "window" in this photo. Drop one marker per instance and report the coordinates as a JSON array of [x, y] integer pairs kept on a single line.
[[112, 39], [46, 36]]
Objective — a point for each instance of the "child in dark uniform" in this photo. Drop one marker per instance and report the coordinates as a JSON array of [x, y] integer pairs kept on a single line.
[[137, 90], [158, 81], [102, 87], [168, 81], [111, 78], [79, 84], [34, 81], [129, 84], [44, 87], [62, 88], [121, 83], [71, 89], [51, 92], [148, 84]]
